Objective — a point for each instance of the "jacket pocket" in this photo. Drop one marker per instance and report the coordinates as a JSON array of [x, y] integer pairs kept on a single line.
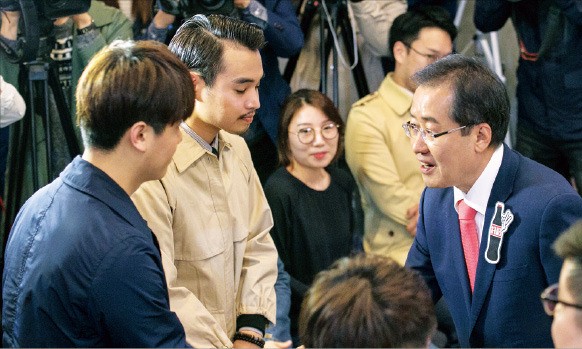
[[510, 274]]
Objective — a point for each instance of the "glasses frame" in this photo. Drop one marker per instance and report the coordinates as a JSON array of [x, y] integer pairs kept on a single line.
[[427, 133], [548, 298], [430, 56], [313, 129]]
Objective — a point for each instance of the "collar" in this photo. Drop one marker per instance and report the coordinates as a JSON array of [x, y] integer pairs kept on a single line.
[[85, 177], [478, 195], [197, 138], [189, 150], [395, 96]]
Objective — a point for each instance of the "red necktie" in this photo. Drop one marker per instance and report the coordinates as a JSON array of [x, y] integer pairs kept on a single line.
[[469, 238]]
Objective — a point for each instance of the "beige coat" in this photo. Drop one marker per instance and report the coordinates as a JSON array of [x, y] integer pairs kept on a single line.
[[212, 221], [381, 159]]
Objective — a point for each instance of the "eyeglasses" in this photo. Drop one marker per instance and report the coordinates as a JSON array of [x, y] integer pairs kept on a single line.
[[307, 135], [430, 57], [412, 131], [550, 300]]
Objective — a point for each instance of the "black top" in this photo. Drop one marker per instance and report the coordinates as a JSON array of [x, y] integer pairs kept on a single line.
[[312, 228]]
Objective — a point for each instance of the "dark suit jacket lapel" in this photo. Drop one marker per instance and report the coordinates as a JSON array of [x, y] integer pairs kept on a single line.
[[502, 188]]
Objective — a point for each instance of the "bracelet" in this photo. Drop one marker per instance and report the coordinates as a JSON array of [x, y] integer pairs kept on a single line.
[[260, 342], [251, 329], [87, 29]]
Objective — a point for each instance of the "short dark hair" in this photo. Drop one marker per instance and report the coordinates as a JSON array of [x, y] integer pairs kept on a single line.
[[367, 301], [292, 104], [407, 27], [479, 96], [199, 42], [569, 246], [127, 82]]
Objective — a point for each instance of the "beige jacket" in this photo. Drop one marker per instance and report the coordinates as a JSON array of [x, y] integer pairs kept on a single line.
[[212, 221], [381, 159]]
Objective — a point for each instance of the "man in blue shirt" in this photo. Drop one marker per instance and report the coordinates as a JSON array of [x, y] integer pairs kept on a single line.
[[82, 269]]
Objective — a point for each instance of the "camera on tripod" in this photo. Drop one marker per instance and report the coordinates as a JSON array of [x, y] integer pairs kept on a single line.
[[189, 8], [36, 21]]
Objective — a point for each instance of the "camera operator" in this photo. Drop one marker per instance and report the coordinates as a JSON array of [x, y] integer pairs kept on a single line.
[[78, 36], [78, 30], [549, 75]]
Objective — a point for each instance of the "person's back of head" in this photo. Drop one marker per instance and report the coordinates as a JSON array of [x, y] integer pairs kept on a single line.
[[199, 42], [569, 246], [127, 82], [406, 27], [567, 323], [367, 301], [479, 96]]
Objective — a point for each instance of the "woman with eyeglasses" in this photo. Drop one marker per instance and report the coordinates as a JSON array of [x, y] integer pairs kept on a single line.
[[310, 197]]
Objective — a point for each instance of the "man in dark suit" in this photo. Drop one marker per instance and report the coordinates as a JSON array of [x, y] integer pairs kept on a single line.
[[489, 215]]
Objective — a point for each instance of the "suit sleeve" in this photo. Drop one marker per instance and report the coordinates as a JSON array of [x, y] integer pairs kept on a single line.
[[202, 330], [561, 212], [572, 9], [491, 15], [419, 255], [282, 32]]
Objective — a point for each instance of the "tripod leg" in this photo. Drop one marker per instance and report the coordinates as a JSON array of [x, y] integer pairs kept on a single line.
[[324, 48], [34, 152], [342, 23], [358, 71], [64, 114], [47, 129]]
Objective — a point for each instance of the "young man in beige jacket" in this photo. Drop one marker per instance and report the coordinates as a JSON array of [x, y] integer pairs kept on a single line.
[[209, 212]]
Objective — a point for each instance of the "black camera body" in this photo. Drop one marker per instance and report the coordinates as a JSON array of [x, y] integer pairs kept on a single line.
[[53, 9], [189, 8]]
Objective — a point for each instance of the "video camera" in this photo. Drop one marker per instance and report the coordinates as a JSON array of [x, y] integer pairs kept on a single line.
[[189, 8], [36, 20]]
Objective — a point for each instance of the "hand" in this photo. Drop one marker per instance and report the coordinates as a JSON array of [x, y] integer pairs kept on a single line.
[[163, 19], [9, 28], [412, 217], [82, 20], [60, 21], [278, 345], [242, 4]]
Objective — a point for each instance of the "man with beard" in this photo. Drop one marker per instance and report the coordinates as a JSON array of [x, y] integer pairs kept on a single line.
[[209, 211]]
